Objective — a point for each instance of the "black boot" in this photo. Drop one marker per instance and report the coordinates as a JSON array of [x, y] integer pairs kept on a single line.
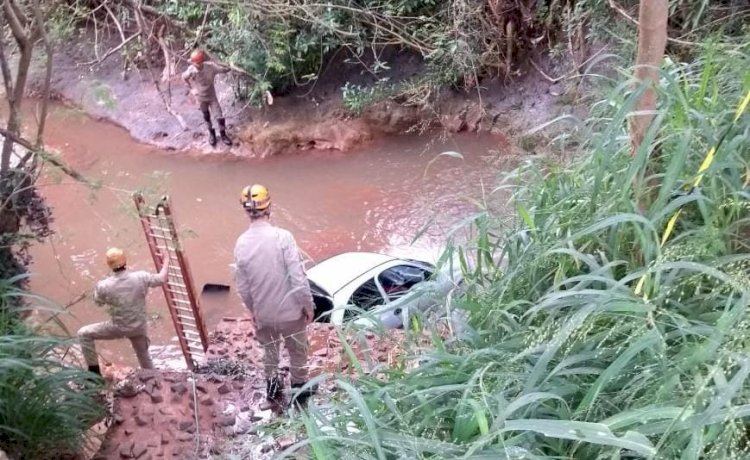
[[223, 132], [93, 380], [301, 396], [211, 137], [274, 390]]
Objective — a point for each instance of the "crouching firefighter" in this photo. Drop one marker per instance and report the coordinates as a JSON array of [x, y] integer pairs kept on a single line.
[[272, 283], [199, 77], [124, 293]]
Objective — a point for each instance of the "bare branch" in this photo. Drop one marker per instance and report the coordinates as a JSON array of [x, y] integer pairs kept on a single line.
[[202, 29], [625, 14], [7, 78], [19, 14], [116, 21], [47, 74], [15, 23], [168, 71], [15, 97], [46, 156], [112, 51]]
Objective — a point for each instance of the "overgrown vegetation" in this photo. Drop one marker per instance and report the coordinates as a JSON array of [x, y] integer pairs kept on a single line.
[[603, 332], [46, 405], [276, 45]]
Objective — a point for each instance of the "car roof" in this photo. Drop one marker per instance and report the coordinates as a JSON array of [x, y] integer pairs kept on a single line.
[[336, 272]]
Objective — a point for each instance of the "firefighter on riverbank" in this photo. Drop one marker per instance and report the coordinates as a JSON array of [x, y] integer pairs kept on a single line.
[[272, 283], [199, 77], [124, 293]]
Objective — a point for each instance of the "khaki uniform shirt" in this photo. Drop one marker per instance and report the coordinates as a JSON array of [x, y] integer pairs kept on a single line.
[[269, 274], [125, 294], [202, 80]]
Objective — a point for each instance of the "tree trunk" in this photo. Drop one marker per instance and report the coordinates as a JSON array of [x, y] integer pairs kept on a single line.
[[17, 22], [652, 39]]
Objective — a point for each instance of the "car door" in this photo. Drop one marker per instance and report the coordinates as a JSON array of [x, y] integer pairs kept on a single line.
[[396, 283], [366, 297]]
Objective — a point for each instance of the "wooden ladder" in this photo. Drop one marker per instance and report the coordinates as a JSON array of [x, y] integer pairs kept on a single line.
[[161, 235]]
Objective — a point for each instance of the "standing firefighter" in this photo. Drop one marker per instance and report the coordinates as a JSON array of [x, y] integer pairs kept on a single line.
[[124, 292], [272, 283], [199, 77]]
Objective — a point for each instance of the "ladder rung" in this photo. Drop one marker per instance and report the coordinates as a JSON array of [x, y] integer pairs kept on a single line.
[[163, 240]]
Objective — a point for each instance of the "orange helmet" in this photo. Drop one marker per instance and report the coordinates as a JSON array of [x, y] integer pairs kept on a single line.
[[255, 199], [116, 258], [197, 56]]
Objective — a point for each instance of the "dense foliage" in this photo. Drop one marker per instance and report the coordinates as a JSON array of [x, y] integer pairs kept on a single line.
[[284, 44], [597, 332]]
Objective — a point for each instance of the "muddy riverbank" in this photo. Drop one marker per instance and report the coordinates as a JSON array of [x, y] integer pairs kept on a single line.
[[307, 118]]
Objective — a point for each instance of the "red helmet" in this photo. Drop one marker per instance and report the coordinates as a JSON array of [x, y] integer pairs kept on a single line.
[[197, 56]]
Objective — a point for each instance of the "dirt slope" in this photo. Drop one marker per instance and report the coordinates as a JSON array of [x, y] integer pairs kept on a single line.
[[189, 415]]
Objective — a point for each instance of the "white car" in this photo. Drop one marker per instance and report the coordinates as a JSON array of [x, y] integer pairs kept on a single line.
[[370, 288]]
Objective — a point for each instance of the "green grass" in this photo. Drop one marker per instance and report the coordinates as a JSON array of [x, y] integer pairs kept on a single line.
[[588, 338], [46, 405]]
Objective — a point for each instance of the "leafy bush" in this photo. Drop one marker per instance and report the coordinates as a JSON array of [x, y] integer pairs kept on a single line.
[[593, 335]]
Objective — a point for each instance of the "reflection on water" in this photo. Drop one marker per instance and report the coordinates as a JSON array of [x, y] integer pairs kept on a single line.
[[374, 199]]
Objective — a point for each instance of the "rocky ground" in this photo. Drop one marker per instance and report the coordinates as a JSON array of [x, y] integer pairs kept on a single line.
[[302, 119], [190, 415]]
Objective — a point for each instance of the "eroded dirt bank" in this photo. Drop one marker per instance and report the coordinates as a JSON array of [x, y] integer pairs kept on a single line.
[[222, 411], [307, 118]]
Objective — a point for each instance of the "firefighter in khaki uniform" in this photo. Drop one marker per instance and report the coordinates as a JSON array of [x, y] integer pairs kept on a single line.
[[199, 77], [272, 283], [124, 293]]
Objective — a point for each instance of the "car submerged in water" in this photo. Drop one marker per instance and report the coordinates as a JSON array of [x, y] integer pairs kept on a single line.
[[376, 289]]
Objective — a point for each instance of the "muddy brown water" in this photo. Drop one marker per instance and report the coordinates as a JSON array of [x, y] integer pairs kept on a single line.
[[374, 199]]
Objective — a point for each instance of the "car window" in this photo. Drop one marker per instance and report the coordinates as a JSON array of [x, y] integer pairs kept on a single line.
[[397, 281], [365, 297]]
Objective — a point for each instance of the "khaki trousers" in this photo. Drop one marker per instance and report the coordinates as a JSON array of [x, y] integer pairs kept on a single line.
[[108, 331], [211, 103], [294, 336]]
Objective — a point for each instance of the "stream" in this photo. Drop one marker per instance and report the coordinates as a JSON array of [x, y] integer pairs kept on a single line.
[[377, 198]]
